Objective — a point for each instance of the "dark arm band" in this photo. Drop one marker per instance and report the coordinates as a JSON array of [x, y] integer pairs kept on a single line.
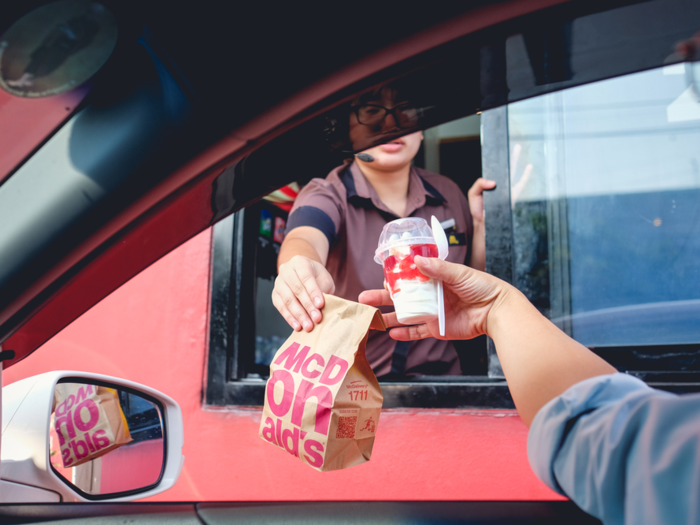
[[314, 217]]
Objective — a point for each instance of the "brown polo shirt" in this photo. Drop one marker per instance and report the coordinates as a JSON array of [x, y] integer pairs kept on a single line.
[[346, 208]]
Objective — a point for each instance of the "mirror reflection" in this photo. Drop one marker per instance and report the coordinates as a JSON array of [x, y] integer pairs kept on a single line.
[[105, 440]]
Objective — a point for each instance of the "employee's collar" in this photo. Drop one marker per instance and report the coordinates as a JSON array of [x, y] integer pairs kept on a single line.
[[361, 193]]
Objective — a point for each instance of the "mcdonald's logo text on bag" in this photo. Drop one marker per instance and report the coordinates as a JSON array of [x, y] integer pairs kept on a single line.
[[295, 395]]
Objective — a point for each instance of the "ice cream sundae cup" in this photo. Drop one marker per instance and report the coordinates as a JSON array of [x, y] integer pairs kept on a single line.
[[414, 295]]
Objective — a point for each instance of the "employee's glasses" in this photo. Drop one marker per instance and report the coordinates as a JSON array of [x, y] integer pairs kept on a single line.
[[405, 115]]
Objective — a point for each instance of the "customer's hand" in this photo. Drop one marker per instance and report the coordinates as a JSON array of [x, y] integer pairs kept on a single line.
[[299, 289], [470, 295]]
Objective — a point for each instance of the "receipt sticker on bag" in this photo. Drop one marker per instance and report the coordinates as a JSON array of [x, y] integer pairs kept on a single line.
[[322, 401]]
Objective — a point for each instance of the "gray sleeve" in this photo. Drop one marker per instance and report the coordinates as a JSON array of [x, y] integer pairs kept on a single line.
[[622, 451]]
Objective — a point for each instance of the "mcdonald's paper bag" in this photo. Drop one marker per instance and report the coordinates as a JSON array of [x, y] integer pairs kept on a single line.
[[89, 422], [322, 401]]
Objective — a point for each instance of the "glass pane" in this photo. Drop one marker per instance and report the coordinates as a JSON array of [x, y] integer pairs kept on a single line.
[[270, 219], [605, 189], [105, 440]]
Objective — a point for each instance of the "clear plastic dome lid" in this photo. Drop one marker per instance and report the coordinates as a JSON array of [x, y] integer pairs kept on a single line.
[[403, 232]]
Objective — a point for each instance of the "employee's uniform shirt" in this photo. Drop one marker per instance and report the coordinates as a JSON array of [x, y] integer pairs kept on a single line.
[[346, 208], [622, 451]]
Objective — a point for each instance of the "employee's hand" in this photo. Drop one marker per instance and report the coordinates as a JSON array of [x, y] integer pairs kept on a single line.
[[475, 196], [469, 297], [299, 289]]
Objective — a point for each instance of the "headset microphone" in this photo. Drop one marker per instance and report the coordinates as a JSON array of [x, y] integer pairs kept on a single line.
[[364, 157]]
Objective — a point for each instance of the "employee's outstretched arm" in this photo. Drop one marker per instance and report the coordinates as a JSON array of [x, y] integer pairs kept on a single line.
[[303, 278], [539, 361]]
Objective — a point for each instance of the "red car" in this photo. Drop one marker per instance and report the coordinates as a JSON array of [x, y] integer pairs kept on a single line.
[[150, 156]]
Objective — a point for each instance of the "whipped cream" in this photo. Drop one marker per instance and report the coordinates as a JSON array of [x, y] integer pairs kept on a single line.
[[416, 301]]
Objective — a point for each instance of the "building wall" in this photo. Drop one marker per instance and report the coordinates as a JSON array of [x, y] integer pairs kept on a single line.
[[153, 331]]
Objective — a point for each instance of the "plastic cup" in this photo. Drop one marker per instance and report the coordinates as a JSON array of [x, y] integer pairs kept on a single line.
[[414, 295]]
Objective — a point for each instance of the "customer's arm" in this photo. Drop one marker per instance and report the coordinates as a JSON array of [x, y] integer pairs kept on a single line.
[[539, 361], [622, 451]]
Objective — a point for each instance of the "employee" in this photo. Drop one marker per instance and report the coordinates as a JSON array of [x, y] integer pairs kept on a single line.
[[334, 227]]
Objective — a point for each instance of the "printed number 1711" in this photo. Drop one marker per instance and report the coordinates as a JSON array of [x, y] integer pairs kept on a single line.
[[359, 395]]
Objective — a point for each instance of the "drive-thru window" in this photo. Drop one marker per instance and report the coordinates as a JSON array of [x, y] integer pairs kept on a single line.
[[591, 135]]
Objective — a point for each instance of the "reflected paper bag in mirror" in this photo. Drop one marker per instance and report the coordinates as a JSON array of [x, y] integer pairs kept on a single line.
[[89, 422], [322, 401]]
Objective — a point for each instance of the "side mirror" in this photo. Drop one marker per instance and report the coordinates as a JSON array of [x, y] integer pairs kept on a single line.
[[75, 436]]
